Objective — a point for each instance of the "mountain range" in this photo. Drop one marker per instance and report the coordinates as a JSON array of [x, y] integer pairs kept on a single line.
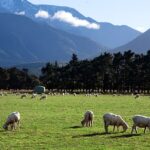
[[70, 20], [22, 40], [41, 33], [139, 45]]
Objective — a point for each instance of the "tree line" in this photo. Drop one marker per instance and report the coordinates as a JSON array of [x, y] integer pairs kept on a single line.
[[108, 72], [118, 72], [14, 78]]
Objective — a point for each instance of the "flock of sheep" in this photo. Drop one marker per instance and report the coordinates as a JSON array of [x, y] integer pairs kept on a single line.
[[114, 120], [34, 96], [109, 119]]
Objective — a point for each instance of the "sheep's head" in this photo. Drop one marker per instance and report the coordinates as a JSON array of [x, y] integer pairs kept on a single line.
[[5, 127], [125, 126], [83, 122]]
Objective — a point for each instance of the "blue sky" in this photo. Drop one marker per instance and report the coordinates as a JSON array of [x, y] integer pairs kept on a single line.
[[134, 13]]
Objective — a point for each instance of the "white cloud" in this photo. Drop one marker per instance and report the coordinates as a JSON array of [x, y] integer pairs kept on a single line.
[[141, 29], [20, 13], [42, 14], [74, 21]]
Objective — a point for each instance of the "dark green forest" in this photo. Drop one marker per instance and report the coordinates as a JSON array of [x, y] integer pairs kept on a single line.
[[118, 72]]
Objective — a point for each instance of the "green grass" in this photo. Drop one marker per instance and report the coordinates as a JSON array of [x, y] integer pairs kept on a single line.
[[53, 123]]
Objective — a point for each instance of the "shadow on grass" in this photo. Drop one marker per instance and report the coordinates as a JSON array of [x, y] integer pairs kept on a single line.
[[125, 136], [75, 127], [89, 135]]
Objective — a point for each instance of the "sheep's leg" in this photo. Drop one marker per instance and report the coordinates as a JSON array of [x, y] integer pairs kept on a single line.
[[133, 128], [106, 127], [86, 124], [114, 128], [117, 128], [144, 129], [91, 123], [12, 126], [15, 126], [18, 123]]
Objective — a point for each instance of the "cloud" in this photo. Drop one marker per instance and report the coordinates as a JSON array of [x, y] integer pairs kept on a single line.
[[42, 14], [74, 21], [20, 13]]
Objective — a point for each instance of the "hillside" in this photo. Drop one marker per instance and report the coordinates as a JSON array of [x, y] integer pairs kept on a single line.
[[140, 45], [23, 41]]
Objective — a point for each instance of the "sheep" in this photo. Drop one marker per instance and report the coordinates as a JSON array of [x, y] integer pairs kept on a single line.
[[1, 94], [88, 119], [114, 120], [96, 95], [33, 95], [137, 96], [23, 96], [43, 97], [141, 122], [74, 94], [12, 120]]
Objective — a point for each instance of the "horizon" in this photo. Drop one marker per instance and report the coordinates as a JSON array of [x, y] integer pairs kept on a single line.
[[136, 17]]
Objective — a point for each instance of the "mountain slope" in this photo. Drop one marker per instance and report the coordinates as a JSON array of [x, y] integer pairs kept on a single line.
[[140, 45], [23, 41], [109, 35]]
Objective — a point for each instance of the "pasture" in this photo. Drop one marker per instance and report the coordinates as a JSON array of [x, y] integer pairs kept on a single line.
[[54, 123]]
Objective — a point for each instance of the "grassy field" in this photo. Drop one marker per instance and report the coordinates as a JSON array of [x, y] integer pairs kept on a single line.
[[55, 123]]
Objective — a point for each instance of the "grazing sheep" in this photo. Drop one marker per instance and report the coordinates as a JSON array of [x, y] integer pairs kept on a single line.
[[74, 94], [12, 120], [43, 97], [96, 95], [141, 122], [5, 94], [23, 96], [114, 120], [88, 119], [34, 95], [137, 96], [1, 94]]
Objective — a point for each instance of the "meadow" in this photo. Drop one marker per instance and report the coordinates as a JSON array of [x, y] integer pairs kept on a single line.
[[54, 124]]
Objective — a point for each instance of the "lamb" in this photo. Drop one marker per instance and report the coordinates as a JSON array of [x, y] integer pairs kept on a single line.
[[12, 120], [23, 96], [114, 120], [141, 122], [43, 97], [88, 119]]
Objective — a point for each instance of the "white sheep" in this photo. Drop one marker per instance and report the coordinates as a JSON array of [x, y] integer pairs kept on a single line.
[[1, 94], [12, 120], [23, 96], [114, 120], [141, 122], [74, 94], [88, 119], [43, 97], [33, 95]]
